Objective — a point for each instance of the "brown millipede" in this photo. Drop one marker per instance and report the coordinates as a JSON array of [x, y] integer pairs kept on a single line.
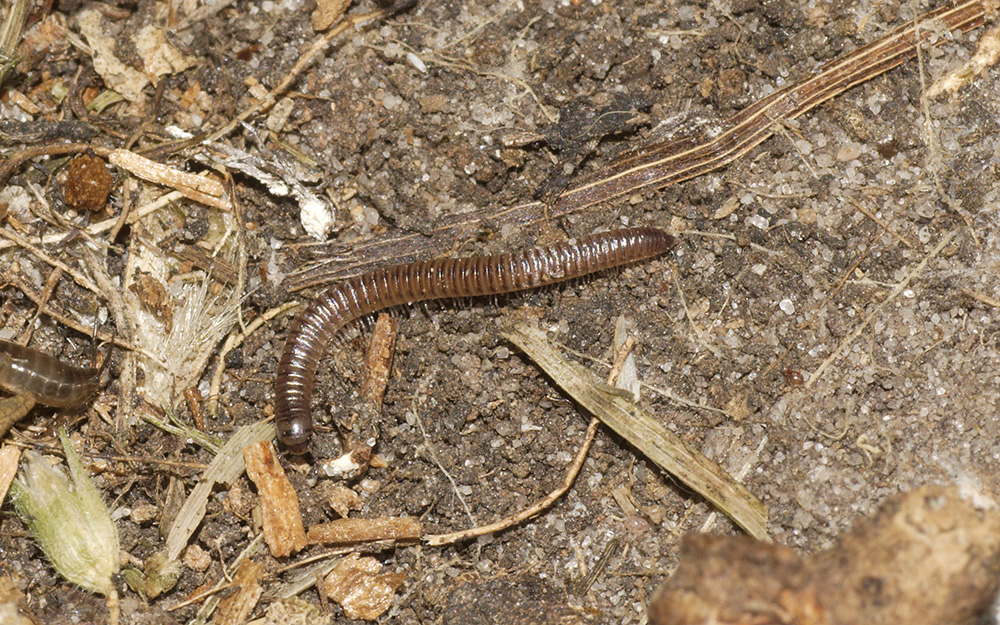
[[316, 327], [47, 379]]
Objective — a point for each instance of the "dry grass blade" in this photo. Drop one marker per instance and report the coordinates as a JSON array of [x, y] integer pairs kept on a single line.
[[227, 466], [10, 35], [645, 433]]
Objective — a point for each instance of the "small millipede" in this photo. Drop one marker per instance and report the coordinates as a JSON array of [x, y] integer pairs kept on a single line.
[[46, 378], [35, 377], [314, 330]]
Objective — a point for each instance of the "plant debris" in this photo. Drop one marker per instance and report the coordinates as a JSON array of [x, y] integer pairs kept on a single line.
[[928, 557]]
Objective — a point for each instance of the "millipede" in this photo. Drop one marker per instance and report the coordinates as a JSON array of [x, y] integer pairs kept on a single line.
[[314, 330], [47, 379]]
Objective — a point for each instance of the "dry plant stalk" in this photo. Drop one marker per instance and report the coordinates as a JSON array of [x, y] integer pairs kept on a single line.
[[205, 190], [283, 530], [346, 531]]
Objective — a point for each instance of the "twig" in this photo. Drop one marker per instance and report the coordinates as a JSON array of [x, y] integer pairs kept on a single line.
[[530, 511], [571, 472]]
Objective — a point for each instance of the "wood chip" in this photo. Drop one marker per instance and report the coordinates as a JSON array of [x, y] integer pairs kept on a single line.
[[283, 530], [344, 531], [360, 590], [235, 608], [327, 12], [9, 458], [378, 360]]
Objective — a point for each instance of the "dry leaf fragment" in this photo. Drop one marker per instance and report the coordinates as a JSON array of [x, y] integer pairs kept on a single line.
[[158, 575], [154, 298], [159, 56], [117, 75], [359, 588], [283, 530]]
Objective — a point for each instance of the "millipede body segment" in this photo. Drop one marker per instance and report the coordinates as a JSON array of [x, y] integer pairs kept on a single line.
[[314, 330]]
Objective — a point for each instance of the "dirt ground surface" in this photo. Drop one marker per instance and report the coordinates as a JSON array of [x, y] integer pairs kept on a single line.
[[827, 327]]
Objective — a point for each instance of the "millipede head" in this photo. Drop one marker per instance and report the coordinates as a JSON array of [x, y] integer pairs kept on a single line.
[[294, 436]]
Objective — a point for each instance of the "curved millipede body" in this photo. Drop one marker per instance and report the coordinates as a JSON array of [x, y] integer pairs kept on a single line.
[[46, 378], [315, 328]]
